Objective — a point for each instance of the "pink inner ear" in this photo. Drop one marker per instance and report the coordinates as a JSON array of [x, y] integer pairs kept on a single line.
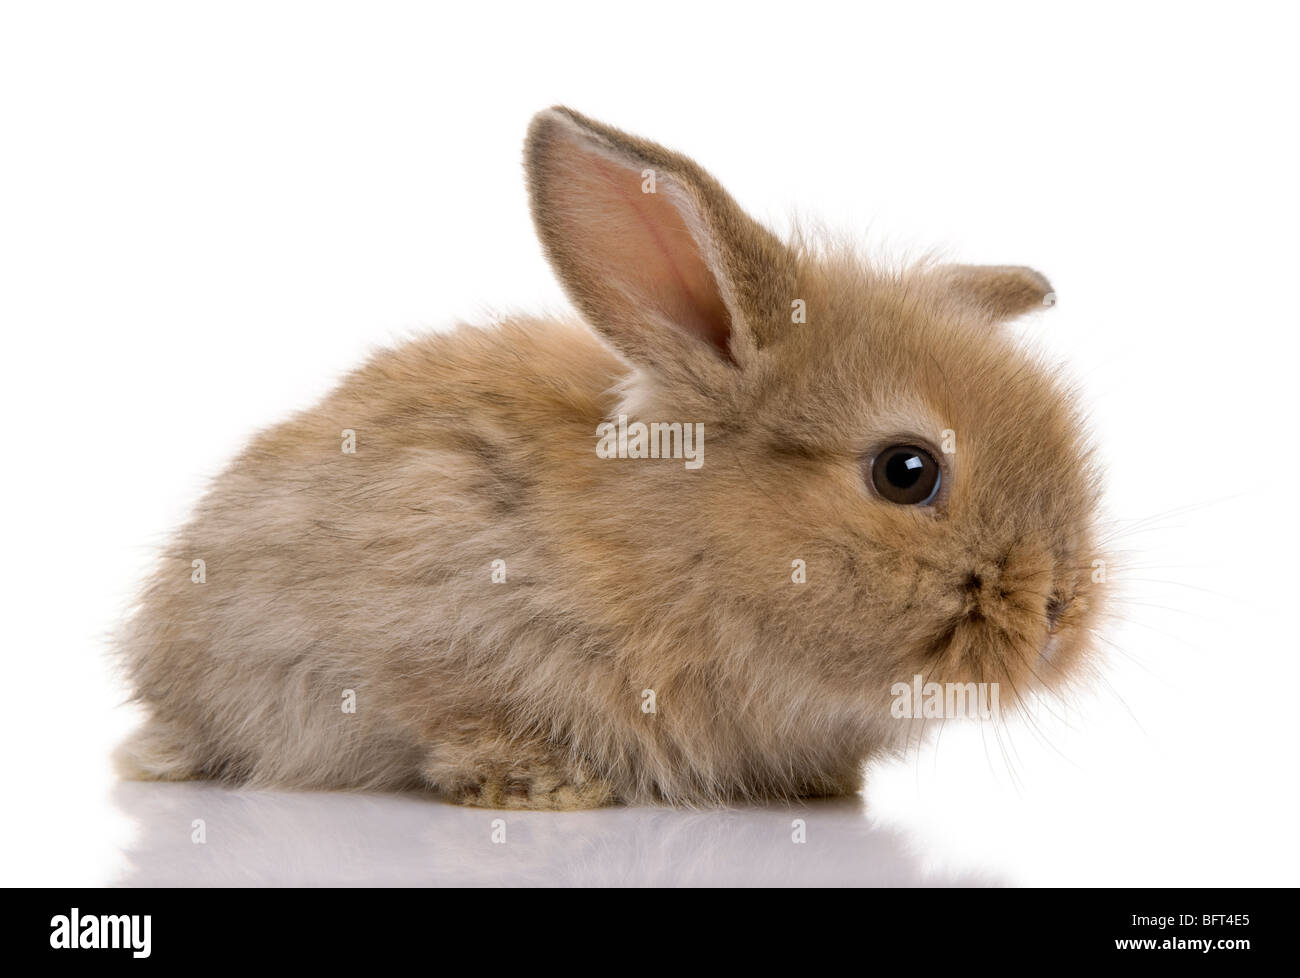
[[640, 242]]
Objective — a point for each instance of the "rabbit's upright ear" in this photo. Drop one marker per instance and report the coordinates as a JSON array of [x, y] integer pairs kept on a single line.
[[656, 255], [996, 292]]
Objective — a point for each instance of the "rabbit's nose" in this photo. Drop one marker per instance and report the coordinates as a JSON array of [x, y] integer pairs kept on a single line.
[[1010, 590], [983, 588]]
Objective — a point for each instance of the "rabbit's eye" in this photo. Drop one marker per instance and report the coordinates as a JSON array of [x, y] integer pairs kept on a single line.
[[906, 475]]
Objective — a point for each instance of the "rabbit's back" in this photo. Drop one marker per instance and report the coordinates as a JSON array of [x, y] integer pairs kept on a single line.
[[348, 605]]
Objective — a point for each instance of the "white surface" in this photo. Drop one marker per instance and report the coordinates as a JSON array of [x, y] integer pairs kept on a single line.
[[208, 213], [366, 840]]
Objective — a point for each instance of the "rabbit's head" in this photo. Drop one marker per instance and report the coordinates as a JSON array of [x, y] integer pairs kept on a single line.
[[890, 485]]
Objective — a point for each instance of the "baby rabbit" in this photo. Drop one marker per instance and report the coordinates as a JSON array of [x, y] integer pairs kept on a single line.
[[678, 551]]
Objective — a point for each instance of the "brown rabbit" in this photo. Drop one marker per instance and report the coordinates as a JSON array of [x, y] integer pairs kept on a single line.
[[462, 571]]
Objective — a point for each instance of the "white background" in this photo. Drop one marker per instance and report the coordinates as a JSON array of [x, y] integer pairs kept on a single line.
[[209, 212]]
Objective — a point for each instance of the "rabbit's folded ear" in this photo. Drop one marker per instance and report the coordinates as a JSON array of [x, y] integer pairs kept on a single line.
[[656, 255], [997, 292]]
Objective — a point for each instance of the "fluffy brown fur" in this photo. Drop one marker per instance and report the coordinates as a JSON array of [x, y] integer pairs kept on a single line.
[[371, 571]]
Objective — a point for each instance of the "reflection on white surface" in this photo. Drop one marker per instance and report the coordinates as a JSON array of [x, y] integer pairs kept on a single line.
[[324, 839]]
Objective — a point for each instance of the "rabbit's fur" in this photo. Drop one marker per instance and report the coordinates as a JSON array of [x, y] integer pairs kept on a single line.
[[373, 571]]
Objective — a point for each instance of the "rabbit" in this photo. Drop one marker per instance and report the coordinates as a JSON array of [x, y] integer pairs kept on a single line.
[[434, 579]]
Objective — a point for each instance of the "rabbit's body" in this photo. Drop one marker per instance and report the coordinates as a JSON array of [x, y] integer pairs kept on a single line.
[[372, 571], [475, 600]]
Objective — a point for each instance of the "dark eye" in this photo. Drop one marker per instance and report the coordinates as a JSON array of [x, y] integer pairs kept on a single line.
[[906, 475]]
